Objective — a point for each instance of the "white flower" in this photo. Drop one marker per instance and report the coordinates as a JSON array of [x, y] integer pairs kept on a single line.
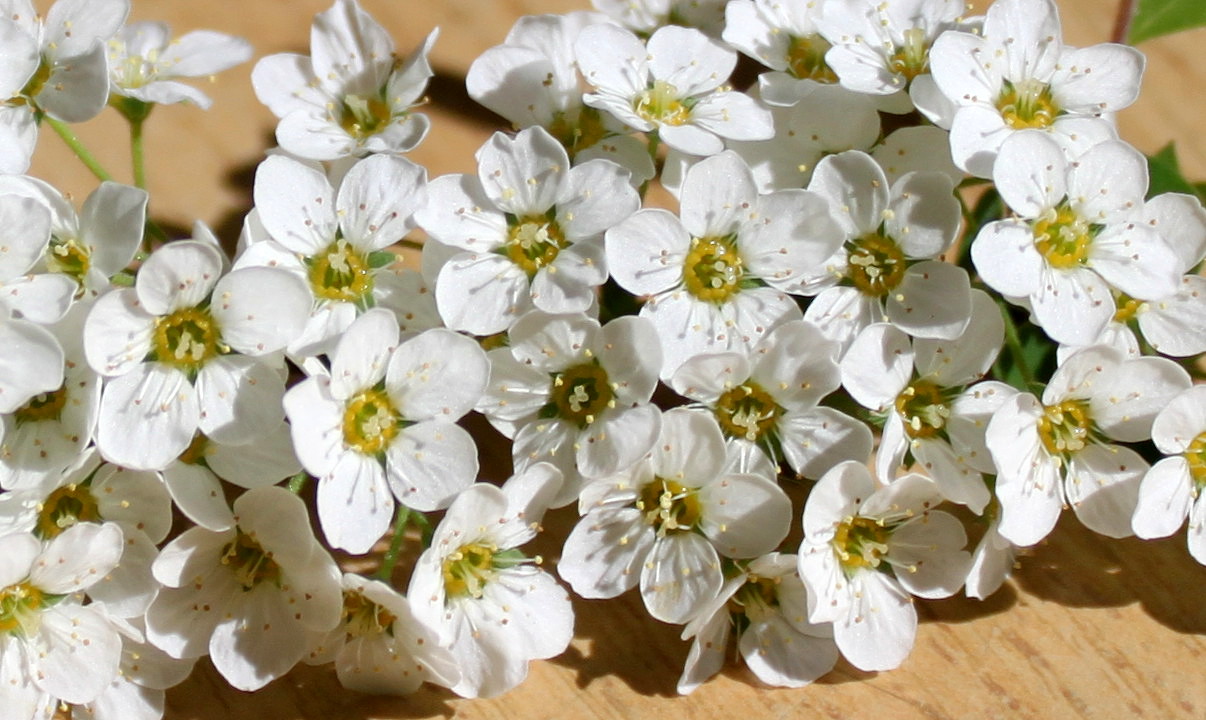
[[575, 394], [91, 492], [47, 434], [352, 96], [1079, 233], [1018, 74], [248, 595], [93, 245], [768, 402], [182, 351], [50, 644], [767, 606], [930, 412], [54, 65], [1060, 449], [673, 86], [335, 241], [1171, 491], [494, 608], [379, 646], [888, 269], [530, 228], [382, 425], [866, 549], [882, 47], [717, 277], [667, 521], [533, 79], [144, 62]]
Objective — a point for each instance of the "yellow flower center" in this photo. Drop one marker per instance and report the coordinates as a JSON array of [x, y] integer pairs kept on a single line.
[[362, 117], [581, 393], [1063, 237], [20, 609], [579, 133], [924, 409], [534, 242], [1127, 307], [36, 82], [1029, 104], [65, 507], [713, 270], [1065, 428], [757, 591], [669, 506], [186, 339], [806, 59], [912, 58], [1195, 455], [467, 570], [876, 264], [861, 542], [340, 273], [747, 411], [660, 105], [249, 562], [362, 616], [69, 257], [370, 422], [43, 406]]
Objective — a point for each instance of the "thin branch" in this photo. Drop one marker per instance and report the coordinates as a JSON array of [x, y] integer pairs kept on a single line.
[[1122, 23]]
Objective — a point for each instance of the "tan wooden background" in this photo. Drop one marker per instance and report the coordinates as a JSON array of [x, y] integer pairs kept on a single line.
[[1088, 628]]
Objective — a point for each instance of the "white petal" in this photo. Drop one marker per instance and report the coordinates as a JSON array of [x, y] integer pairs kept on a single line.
[[1103, 487], [817, 440], [1126, 401], [481, 294], [933, 300], [930, 550], [878, 366], [31, 362], [437, 375], [681, 573], [147, 417], [199, 496], [178, 275], [879, 629], [744, 515], [363, 353], [429, 463], [296, 204], [1029, 485], [240, 398], [1165, 496], [355, 506], [81, 654], [261, 310], [645, 253], [78, 558]]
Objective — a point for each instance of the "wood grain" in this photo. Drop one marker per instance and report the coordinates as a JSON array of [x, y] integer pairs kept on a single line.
[[1088, 627]]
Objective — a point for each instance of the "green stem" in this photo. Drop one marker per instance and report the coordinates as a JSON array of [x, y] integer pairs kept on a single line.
[[152, 230], [297, 483], [78, 148], [136, 154], [386, 572], [1014, 343], [655, 142]]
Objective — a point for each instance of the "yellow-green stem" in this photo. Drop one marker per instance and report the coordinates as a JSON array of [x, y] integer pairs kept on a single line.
[[78, 148]]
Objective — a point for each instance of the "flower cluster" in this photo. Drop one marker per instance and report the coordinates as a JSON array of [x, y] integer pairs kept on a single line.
[[814, 335]]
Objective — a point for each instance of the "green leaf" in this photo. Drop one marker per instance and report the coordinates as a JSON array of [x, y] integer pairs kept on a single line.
[[1163, 17], [381, 258], [1165, 173]]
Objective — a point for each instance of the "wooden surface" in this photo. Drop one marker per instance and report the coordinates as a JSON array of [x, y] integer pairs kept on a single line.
[[1088, 628]]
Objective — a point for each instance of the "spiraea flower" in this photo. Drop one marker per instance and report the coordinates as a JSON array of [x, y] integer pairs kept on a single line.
[[646, 16], [717, 275], [184, 350], [765, 605], [1078, 235], [529, 228], [54, 65], [934, 410], [52, 647], [674, 85], [666, 522], [575, 394], [867, 550], [1171, 491], [352, 96], [1017, 74], [92, 492], [382, 424], [336, 240], [887, 269], [248, 596], [491, 605], [90, 246], [145, 62], [1065, 447], [533, 79], [768, 402], [379, 646]]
